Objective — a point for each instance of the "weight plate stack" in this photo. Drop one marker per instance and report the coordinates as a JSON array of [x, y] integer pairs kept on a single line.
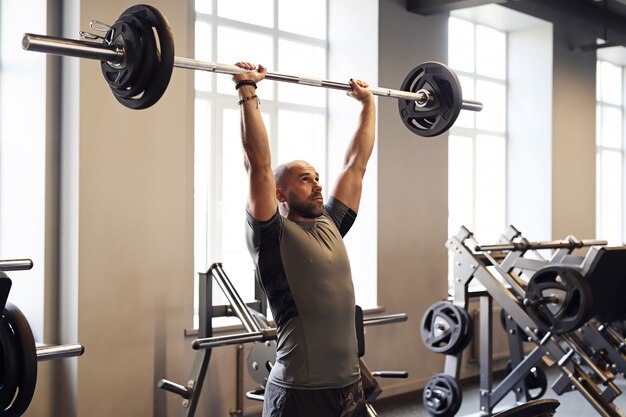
[[146, 37]]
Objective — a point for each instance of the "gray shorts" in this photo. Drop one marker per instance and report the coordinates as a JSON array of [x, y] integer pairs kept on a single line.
[[335, 402]]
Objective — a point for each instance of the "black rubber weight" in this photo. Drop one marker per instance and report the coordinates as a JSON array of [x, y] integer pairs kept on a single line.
[[9, 363], [27, 361], [151, 19]]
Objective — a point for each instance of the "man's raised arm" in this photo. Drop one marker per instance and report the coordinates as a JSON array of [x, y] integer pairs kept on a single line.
[[349, 184], [261, 203]]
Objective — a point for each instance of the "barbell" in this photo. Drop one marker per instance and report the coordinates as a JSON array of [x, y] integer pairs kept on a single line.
[[137, 60]]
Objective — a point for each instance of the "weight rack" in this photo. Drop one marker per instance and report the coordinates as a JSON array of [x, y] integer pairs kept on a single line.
[[502, 270]]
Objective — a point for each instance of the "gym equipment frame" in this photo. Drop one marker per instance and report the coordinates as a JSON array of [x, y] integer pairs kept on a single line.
[[550, 318], [257, 330], [19, 354]]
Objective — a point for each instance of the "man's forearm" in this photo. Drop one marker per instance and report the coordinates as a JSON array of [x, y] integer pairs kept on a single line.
[[362, 144], [253, 133]]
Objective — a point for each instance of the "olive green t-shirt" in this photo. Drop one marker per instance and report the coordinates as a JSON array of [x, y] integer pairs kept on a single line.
[[305, 272]]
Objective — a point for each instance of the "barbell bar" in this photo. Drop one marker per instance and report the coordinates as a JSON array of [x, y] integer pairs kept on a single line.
[[114, 55], [569, 243], [138, 64], [49, 352], [16, 264]]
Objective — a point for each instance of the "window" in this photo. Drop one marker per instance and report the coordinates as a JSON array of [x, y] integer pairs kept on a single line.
[[477, 141], [609, 153], [277, 36], [22, 154]]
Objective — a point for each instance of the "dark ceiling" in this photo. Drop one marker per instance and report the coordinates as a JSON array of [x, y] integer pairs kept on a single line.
[[426, 7], [605, 19]]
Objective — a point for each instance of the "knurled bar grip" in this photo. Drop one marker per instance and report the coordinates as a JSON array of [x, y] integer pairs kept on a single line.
[[16, 265], [115, 55]]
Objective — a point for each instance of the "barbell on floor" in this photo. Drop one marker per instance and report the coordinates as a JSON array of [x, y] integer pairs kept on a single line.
[[137, 59]]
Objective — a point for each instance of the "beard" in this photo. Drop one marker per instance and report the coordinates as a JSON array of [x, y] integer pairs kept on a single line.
[[307, 209]]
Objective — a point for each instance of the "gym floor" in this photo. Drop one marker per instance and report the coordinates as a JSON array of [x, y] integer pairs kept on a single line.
[[572, 404]]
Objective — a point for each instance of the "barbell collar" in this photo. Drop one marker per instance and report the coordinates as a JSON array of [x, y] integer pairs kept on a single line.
[[114, 54], [48, 353], [16, 265]]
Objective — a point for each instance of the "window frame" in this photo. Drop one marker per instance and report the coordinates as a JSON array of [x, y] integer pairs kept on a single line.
[[220, 102], [473, 134], [601, 148]]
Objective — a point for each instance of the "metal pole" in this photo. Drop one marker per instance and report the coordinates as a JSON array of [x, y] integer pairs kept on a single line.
[[388, 319], [241, 309], [555, 244], [48, 353], [16, 265], [115, 55], [234, 339]]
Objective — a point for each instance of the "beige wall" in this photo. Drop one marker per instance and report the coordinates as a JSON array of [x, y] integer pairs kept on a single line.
[[413, 194], [127, 223]]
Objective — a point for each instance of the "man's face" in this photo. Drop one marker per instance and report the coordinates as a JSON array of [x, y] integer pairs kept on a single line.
[[302, 191]]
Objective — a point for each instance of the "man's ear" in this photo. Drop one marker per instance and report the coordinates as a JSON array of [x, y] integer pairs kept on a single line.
[[280, 196]]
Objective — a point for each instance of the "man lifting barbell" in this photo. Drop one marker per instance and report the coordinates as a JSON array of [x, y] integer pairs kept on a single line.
[[296, 243]]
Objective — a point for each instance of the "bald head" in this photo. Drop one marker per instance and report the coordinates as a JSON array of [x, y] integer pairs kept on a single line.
[[283, 171]]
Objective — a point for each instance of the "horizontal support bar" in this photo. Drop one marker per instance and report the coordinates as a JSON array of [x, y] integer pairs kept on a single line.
[[115, 55], [270, 334], [391, 374], [178, 389], [556, 244], [48, 353], [234, 339], [388, 319], [16, 265]]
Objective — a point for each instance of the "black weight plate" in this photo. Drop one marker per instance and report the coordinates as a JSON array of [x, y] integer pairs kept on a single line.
[[9, 371], [574, 305], [27, 360], [440, 114], [5, 287], [143, 74], [260, 361], [446, 328], [160, 77], [535, 380], [442, 396], [122, 76]]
